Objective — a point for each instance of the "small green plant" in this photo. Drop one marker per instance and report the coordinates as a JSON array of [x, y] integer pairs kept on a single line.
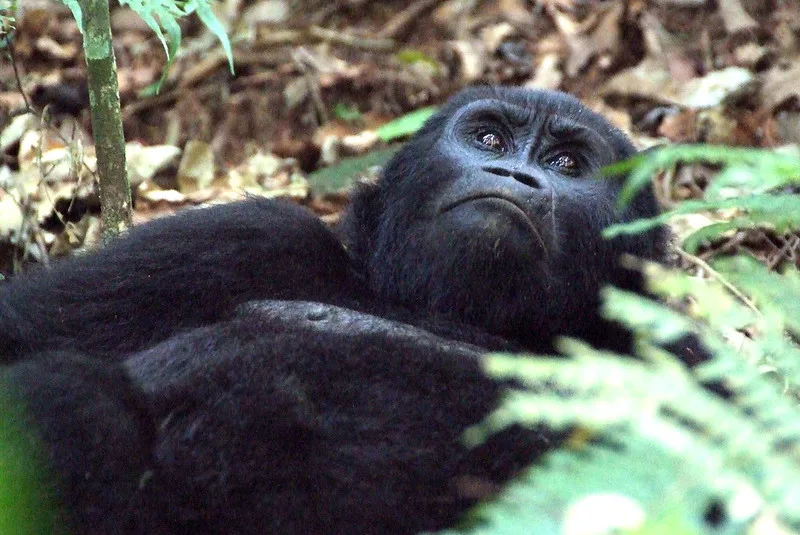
[[347, 113], [162, 16], [92, 17]]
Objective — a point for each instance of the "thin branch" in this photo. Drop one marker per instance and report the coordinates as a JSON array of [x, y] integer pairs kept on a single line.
[[403, 20], [719, 277]]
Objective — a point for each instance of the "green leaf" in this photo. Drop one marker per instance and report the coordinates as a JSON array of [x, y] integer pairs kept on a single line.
[[162, 16], [751, 171], [147, 12], [343, 175], [770, 289], [173, 30], [77, 14], [643, 489], [709, 233], [778, 212], [405, 125], [211, 22], [410, 56], [347, 113]]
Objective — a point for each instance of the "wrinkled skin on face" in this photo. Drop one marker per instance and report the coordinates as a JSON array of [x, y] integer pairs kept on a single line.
[[492, 215]]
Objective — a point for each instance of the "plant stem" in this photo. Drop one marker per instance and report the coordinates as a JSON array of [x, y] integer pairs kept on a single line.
[[109, 140]]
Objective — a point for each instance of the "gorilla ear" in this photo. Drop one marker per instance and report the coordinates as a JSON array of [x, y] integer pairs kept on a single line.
[[359, 227]]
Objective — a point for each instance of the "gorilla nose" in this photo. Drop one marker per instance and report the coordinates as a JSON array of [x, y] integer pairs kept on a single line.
[[517, 174]]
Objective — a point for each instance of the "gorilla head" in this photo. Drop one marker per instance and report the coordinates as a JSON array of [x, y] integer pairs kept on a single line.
[[492, 214]]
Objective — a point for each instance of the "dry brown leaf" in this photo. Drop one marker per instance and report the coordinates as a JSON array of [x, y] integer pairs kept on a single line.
[[144, 162], [680, 127], [734, 16], [781, 84], [196, 170], [470, 58], [649, 79], [548, 74], [591, 29]]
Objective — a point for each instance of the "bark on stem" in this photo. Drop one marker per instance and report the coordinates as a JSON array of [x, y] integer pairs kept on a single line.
[[109, 140]]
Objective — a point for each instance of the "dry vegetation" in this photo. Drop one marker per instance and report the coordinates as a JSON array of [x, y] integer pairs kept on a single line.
[[314, 79]]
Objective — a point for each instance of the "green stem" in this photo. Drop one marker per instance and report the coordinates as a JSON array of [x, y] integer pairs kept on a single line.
[[109, 140]]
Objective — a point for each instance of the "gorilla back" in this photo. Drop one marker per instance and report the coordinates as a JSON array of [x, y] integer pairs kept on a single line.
[[247, 413]]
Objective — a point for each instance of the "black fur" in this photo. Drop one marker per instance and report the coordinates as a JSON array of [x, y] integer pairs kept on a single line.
[[290, 414], [172, 274]]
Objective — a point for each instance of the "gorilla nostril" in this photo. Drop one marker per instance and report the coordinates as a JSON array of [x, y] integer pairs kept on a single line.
[[497, 171], [526, 179]]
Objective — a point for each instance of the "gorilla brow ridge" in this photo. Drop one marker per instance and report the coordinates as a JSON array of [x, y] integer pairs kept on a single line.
[[562, 127]]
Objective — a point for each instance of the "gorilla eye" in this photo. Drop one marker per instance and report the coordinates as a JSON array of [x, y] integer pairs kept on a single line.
[[565, 162], [492, 140]]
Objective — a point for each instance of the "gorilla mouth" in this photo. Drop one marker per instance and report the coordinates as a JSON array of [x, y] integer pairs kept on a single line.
[[507, 201]]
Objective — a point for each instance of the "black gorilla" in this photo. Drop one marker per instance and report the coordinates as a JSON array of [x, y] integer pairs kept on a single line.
[[243, 368]]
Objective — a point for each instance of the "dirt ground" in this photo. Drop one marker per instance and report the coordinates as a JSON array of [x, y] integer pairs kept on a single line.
[[313, 81]]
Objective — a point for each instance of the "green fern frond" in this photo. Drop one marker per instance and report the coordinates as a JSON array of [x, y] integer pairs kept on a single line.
[[780, 213], [643, 489], [750, 171], [657, 412]]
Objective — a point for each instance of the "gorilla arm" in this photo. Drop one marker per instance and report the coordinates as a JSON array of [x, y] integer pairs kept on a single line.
[[174, 273], [296, 418]]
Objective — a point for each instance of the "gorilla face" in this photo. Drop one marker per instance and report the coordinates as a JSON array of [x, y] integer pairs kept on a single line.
[[492, 214]]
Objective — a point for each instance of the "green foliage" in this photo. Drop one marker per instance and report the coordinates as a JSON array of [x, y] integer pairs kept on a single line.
[[649, 448], [411, 56], [744, 185], [8, 10], [27, 504], [405, 125], [344, 174], [749, 170], [650, 490], [350, 114], [162, 16], [77, 12], [666, 449]]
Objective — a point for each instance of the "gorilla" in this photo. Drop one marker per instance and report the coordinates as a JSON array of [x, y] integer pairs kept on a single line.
[[244, 368]]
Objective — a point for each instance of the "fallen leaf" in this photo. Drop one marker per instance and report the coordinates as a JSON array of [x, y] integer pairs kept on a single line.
[[781, 83], [196, 169]]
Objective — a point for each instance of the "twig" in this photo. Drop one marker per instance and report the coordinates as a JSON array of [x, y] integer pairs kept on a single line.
[[30, 109], [718, 276], [166, 98], [323, 14], [790, 245], [306, 63], [12, 58], [380, 44], [402, 20], [315, 33]]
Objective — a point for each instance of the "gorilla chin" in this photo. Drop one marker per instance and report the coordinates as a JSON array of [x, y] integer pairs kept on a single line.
[[496, 215]]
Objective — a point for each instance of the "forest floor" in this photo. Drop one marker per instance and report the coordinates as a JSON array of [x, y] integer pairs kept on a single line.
[[314, 79]]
